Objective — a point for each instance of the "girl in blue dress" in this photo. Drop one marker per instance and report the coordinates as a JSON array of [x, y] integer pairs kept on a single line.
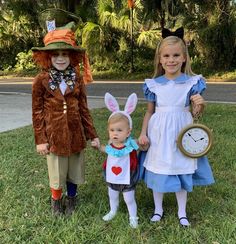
[[170, 94]]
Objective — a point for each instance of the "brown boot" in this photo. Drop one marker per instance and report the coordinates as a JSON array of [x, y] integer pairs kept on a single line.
[[57, 208], [70, 204]]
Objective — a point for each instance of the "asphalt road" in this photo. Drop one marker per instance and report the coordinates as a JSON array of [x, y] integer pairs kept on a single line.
[[15, 97], [216, 92]]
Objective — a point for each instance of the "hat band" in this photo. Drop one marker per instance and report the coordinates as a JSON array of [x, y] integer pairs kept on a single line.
[[66, 36]]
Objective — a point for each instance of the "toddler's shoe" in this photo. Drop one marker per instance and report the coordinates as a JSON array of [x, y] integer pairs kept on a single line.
[[133, 222], [109, 216]]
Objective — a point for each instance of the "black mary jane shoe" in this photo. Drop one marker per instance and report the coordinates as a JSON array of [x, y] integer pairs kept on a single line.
[[184, 226], [156, 214]]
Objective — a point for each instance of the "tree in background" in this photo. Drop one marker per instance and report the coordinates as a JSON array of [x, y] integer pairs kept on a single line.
[[108, 38], [19, 28], [105, 29], [213, 28]]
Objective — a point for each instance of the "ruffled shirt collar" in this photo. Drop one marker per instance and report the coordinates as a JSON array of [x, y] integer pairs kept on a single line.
[[182, 78], [128, 147]]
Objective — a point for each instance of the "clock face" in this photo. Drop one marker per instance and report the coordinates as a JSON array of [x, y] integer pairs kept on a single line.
[[195, 140]]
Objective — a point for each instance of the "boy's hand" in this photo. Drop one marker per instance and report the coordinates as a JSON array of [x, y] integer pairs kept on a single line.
[[95, 143], [43, 149]]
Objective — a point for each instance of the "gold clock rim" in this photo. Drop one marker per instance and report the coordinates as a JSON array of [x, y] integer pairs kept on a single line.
[[183, 131]]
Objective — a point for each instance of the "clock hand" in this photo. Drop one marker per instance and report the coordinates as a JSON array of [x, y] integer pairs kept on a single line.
[[200, 139], [191, 136]]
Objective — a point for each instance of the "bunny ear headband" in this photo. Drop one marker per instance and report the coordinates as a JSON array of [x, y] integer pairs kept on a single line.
[[113, 106]]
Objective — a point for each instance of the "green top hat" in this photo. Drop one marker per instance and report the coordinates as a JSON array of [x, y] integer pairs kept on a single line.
[[61, 38], [61, 17]]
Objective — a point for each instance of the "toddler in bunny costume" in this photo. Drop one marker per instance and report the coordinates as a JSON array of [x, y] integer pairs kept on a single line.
[[121, 166]]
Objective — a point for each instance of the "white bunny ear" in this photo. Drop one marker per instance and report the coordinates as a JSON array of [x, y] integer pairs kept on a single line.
[[111, 102], [131, 103]]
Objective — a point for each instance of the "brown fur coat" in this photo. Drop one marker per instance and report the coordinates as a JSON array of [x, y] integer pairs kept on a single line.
[[62, 121]]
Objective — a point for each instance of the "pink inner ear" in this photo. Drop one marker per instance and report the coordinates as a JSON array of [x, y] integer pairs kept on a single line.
[[130, 108], [111, 105]]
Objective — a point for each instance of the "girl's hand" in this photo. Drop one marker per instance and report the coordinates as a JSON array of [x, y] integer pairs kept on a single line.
[[198, 104], [95, 143], [143, 140], [197, 99], [43, 149]]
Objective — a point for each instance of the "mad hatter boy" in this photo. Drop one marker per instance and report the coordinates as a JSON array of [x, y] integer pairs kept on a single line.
[[61, 119]]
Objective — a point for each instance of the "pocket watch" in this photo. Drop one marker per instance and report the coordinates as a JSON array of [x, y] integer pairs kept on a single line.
[[195, 140]]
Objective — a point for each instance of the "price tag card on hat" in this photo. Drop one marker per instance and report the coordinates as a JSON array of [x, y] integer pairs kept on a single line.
[[51, 25]]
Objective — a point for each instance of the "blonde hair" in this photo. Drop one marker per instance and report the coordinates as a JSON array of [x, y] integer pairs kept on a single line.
[[172, 40], [117, 118]]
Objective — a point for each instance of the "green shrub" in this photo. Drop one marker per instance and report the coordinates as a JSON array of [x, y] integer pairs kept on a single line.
[[24, 61]]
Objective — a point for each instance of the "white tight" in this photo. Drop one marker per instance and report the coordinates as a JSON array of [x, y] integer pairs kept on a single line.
[[181, 197], [129, 198], [158, 199]]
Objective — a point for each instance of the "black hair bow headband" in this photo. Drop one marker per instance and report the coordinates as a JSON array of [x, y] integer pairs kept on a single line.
[[179, 33]]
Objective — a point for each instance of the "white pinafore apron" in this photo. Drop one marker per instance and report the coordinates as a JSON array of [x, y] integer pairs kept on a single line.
[[171, 115]]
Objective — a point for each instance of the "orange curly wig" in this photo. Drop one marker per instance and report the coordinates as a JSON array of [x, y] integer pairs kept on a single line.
[[43, 59]]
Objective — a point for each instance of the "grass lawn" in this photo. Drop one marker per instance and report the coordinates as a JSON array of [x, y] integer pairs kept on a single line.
[[25, 215]]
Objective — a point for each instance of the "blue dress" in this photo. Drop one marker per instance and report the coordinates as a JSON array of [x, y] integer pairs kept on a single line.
[[164, 168]]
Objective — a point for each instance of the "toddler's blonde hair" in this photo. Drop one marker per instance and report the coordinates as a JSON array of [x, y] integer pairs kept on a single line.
[[117, 118]]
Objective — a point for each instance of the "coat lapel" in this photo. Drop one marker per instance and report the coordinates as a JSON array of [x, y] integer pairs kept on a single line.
[[68, 90], [56, 93]]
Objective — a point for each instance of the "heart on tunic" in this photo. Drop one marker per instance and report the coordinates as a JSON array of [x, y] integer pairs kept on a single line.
[[116, 170]]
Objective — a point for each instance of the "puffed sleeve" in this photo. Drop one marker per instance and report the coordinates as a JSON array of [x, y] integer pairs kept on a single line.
[[199, 85], [148, 90]]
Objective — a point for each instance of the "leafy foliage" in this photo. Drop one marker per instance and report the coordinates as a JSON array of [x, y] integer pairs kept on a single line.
[[105, 30], [24, 61], [213, 26]]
